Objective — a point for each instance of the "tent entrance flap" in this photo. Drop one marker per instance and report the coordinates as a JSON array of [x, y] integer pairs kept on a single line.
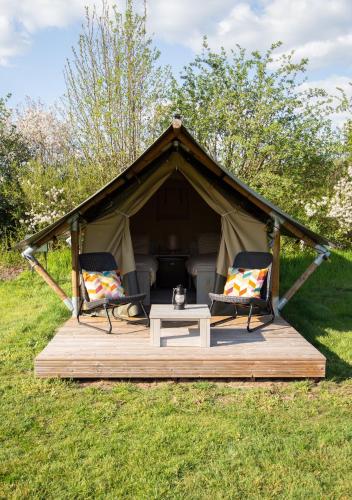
[[175, 220], [112, 232]]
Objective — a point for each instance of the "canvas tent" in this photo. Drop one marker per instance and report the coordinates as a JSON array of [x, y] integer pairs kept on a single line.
[[103, 221], [240, 230]]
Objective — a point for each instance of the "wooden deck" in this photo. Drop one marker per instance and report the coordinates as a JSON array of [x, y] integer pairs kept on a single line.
[[275, 351]]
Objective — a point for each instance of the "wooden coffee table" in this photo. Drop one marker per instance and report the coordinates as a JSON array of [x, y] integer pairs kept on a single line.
[[192, 312]]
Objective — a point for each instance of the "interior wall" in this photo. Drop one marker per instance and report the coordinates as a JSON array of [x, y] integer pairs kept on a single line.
[[176, 209]]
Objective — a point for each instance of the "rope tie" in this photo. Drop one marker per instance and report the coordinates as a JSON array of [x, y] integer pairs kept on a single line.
[[230, 212], [121, 213], [239, 212]]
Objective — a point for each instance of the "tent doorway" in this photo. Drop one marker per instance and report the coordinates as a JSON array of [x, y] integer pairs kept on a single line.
[[173, 235]]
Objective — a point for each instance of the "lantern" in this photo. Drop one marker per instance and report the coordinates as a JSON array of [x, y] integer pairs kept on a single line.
[[179, 297]]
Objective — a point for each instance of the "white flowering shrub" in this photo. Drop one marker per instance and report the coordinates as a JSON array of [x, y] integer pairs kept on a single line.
[[341, 203], [43, 213], [48, 137], [315, 206], [334, 213]]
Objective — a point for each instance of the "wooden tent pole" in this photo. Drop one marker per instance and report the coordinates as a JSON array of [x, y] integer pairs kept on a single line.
[[75, 266], [38, 268], [275, 279], [323, 255]]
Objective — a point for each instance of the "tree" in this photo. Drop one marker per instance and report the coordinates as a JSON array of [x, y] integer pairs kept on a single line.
[[334, 212], [49, 182], [52, 189], [253, 116], [114, 88], [48, 137], [340, 207], [14, 154]]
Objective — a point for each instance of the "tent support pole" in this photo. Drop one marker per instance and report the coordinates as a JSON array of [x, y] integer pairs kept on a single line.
[[74, 227], [323, 254], [276, 266], [38, 268]]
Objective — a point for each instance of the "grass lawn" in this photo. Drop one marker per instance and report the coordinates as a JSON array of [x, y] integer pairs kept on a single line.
[[64, 439]]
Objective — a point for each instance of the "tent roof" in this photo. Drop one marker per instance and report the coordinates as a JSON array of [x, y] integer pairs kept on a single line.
[[177, 136]]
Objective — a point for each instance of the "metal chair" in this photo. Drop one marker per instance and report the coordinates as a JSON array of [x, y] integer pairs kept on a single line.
[[250, 260], [98, 262]]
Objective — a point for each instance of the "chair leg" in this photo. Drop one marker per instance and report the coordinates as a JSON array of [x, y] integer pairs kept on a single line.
[[145, 313], [106, 309], [221, 321], [272, 313], [249, 319], [79, 311], [108, 316]]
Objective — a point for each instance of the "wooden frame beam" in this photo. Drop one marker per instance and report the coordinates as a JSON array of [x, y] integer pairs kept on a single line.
[[199, 154], [275, 277], [74, 228], [39, 269], [323, 255]]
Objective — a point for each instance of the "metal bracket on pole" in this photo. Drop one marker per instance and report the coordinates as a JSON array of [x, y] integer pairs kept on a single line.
[[28, 253], [73, 221], [278, 219]]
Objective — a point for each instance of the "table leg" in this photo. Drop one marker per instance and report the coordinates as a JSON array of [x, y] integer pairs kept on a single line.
[[204, 329], [155, 326]]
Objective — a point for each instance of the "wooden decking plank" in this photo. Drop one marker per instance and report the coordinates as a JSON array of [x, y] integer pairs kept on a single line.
[[277, 350]]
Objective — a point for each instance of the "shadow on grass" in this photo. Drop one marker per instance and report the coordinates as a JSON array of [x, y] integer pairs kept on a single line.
[[322, 309]]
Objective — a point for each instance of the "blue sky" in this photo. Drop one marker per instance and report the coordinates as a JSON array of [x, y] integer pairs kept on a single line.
[[36, 37], [38, 72]]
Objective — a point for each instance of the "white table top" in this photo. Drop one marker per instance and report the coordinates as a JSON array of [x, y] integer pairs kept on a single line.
[[167, 311]]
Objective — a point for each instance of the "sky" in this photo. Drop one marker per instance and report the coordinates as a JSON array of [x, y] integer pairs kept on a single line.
[[36, 37]]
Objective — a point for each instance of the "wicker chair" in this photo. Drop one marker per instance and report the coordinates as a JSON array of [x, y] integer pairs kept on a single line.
[[262, 305], [104, 261]]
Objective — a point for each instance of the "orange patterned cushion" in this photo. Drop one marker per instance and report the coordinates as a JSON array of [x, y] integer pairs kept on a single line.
[[245, 282], [103, 285]]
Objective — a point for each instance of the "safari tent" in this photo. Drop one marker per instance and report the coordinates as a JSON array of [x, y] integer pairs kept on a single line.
[[175, 215]]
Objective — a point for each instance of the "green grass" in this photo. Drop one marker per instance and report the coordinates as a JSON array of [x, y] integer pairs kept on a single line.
[[322, 309], [62, 439]]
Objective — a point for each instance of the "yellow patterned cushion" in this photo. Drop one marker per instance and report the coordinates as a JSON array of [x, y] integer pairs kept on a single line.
[[245, 282], [103, 285]]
